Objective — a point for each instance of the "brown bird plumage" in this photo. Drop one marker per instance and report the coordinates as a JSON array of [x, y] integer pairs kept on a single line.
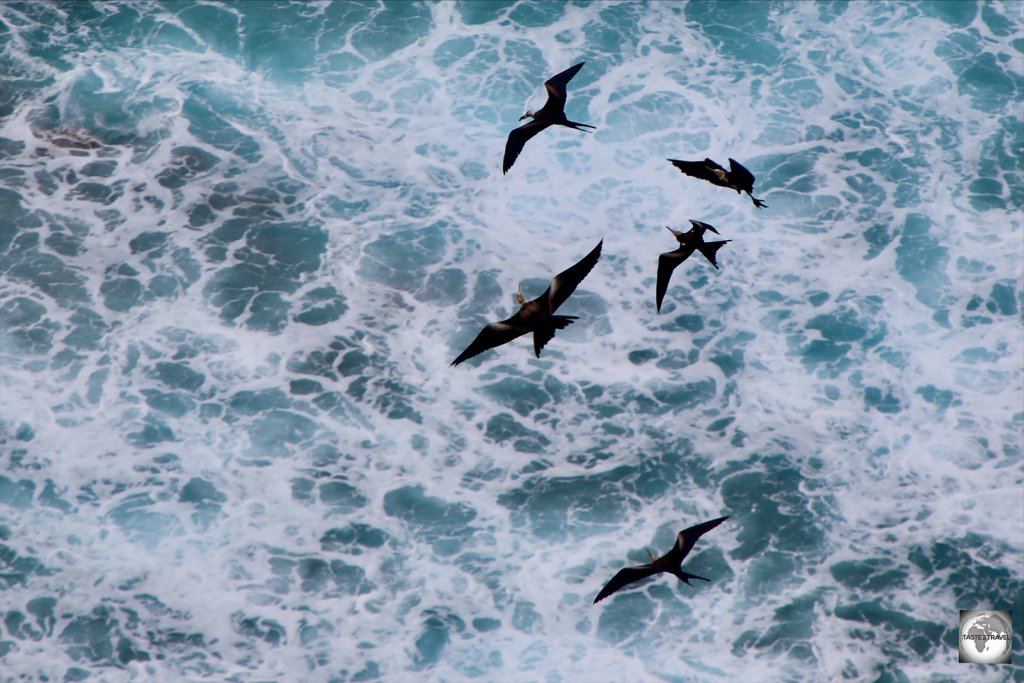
[[737, 178], [537, 316], [689, 241], [551, 114], [668, 563]]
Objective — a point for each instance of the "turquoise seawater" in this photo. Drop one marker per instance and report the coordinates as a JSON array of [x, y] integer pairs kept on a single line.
[[240, 244]]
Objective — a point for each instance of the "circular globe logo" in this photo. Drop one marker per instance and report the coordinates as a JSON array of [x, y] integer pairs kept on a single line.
[[985, 637]]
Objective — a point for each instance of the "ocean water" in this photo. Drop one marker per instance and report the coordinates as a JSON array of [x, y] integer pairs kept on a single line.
[[241, 243]]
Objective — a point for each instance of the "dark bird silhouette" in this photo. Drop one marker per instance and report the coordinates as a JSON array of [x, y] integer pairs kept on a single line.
[[537, 316], [689, 241], [669, 563], [738, 178], [551, 114]]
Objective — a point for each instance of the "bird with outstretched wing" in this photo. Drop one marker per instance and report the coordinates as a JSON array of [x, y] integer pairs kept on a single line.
[[668, 563], [551, 114], [536, 316]]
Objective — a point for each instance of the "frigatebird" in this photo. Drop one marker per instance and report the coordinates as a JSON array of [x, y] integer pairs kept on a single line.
[[551, 114], [537, 316], [669, 563], [737, 178], [692, 239]]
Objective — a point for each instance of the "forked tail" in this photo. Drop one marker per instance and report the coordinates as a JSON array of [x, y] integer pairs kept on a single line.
[[685, 577], [757, 202], [542, 335]]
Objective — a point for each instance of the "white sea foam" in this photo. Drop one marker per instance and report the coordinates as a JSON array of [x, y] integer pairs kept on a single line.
[[511, 488]]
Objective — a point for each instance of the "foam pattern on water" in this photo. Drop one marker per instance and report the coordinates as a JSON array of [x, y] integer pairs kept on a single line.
[[240, 245]]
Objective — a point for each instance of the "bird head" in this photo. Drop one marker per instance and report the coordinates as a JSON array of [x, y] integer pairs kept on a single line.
[[520, 299], [674, 232], [528, 115]]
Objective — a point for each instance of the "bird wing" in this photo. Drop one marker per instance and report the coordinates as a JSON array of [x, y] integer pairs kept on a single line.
[[704, 226], [517, 139], [624, 578], [739, 175], [687, 537], [698, 169], [710, 250], [565, 283], [556, 86], [494, 334], [667, 263]]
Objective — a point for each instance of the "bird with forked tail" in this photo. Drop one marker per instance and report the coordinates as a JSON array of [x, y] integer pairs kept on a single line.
[[689, 241], [551, 114], [737, 178], [537, 316], [668, 563]]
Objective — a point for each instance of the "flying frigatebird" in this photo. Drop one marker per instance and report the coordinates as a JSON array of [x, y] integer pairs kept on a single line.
[[551, 114], [692, 239], [537, 316], [669, 563], [737, 178]]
